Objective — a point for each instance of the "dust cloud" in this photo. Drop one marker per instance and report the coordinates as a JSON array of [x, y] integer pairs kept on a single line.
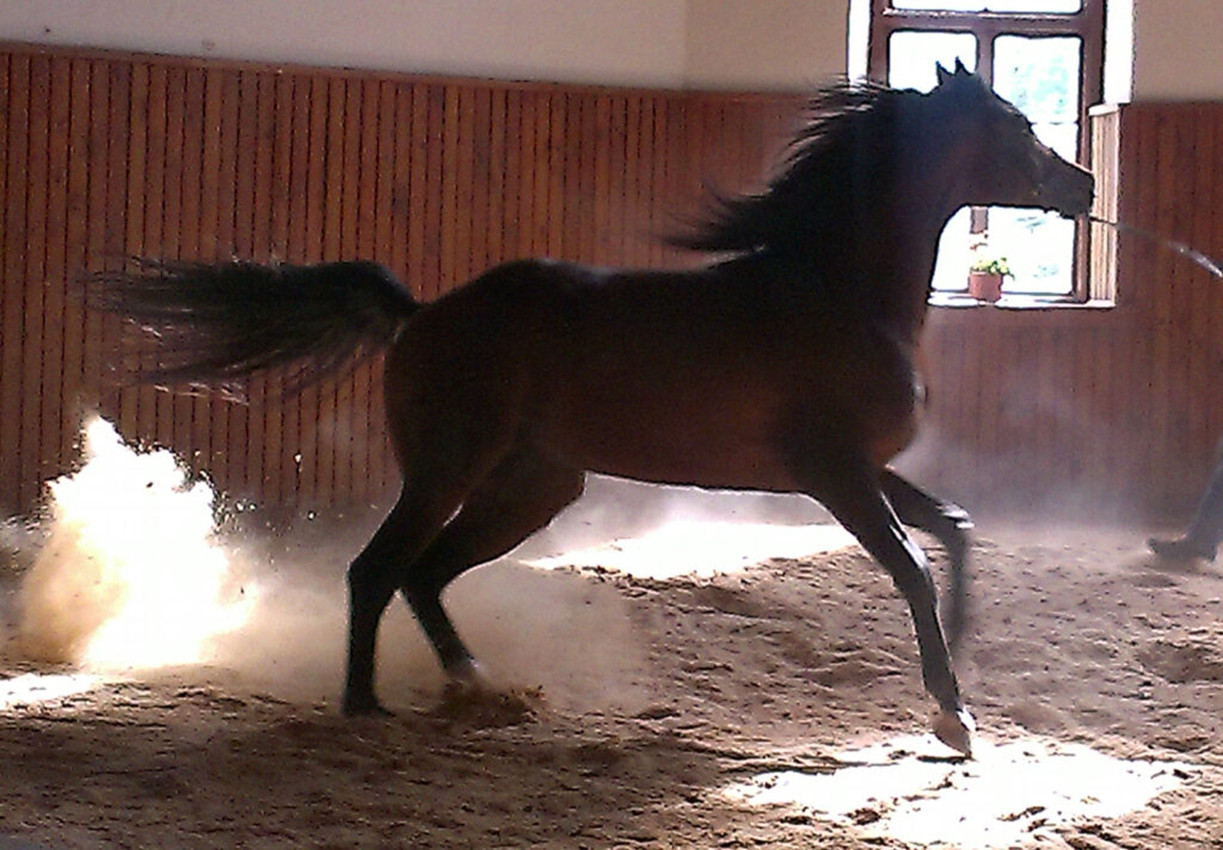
[[134, 567], [128, 573]]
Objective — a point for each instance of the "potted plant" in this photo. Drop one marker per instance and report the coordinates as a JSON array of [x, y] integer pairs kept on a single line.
[[985, 277]]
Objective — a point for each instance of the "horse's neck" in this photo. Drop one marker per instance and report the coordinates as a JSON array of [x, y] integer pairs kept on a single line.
[[901, 257]]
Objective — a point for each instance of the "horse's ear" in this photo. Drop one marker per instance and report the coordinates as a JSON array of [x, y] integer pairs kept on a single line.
[[942, 73], [960, 70]]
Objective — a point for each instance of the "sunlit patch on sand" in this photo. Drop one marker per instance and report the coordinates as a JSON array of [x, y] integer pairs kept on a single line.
[[131, 573], [30, 688], [703, 548], [1008, 794]]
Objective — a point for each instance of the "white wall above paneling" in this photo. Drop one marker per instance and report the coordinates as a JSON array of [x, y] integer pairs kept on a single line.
[[626, 42], [718, 44]]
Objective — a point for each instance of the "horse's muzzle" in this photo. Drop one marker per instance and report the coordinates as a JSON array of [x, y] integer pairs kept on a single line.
[[1069, 190]]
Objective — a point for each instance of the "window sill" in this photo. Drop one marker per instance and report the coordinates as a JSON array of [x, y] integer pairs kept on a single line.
[[960, 301]]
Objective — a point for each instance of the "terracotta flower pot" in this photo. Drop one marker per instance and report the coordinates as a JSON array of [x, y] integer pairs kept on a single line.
[[985, 286]]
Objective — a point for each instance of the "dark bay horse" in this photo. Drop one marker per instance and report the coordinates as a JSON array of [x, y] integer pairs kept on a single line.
[[787, 365]]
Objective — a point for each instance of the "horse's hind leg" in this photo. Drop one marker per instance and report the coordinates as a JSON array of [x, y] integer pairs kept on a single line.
[[949, 523], [852, 492], [418, 515], [518, 498]]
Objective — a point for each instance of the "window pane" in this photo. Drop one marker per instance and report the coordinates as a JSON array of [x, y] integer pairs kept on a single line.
[[1041, 77], [991, 5], [1039, 248], [912, 56], [1034, 5], [954, 254]]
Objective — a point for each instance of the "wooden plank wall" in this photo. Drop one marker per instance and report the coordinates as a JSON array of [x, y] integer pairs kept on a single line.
[[104, 156]]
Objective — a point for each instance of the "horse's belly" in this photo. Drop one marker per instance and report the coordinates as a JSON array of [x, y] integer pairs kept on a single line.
[[685, 440], [724, 468]]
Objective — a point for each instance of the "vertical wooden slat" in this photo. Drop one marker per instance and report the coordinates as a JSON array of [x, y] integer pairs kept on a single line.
[[1183, 280], [522, 130], [1199, 177], [365, 464], [384, 122], [537, 198], [300, 199], [1211, 240], [262, 443], [55, 429], [342, 419], [192, 422], [656, 185], [98, 329], [1127, 416], [119, 105], [634, 154], [434, 213], [30, 438], [460, 144], [188, 420], [281, 170], [77, 398], [316, 155], [138, 410], [15, 245], [321, 398], [413, 191], [482, 204], [553, 237], [10, 292], [513, 182], [580, 163], [242, 442], [401, 185], [205, 421], [1159, 395], [610, 247], [278, 92], [191, 218]]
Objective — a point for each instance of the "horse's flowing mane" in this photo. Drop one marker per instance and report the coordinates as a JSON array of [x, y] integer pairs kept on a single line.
[[832, 174]]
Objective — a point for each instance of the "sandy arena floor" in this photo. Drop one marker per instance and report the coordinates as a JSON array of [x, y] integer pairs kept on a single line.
[[682, 711]]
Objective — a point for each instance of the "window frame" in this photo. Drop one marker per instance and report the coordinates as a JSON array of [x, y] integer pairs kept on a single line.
[[1087, 24]]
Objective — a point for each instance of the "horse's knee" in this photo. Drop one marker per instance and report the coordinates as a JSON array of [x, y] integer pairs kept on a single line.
[[371, 584]]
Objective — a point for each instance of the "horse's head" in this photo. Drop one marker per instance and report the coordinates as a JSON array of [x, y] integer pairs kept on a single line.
[[997, 158]]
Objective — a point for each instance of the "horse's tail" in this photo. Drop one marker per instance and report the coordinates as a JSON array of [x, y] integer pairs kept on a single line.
[[216, 325]]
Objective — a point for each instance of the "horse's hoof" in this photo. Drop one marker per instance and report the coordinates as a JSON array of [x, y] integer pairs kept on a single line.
[[955, 729], [467, 674], [368, 707], [1182, 549]]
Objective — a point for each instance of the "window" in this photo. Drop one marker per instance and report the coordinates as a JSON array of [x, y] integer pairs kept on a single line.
[[1046, 57]]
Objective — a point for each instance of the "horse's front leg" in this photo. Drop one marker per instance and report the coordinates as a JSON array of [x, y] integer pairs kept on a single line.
[[851, 491], [950, 524]]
